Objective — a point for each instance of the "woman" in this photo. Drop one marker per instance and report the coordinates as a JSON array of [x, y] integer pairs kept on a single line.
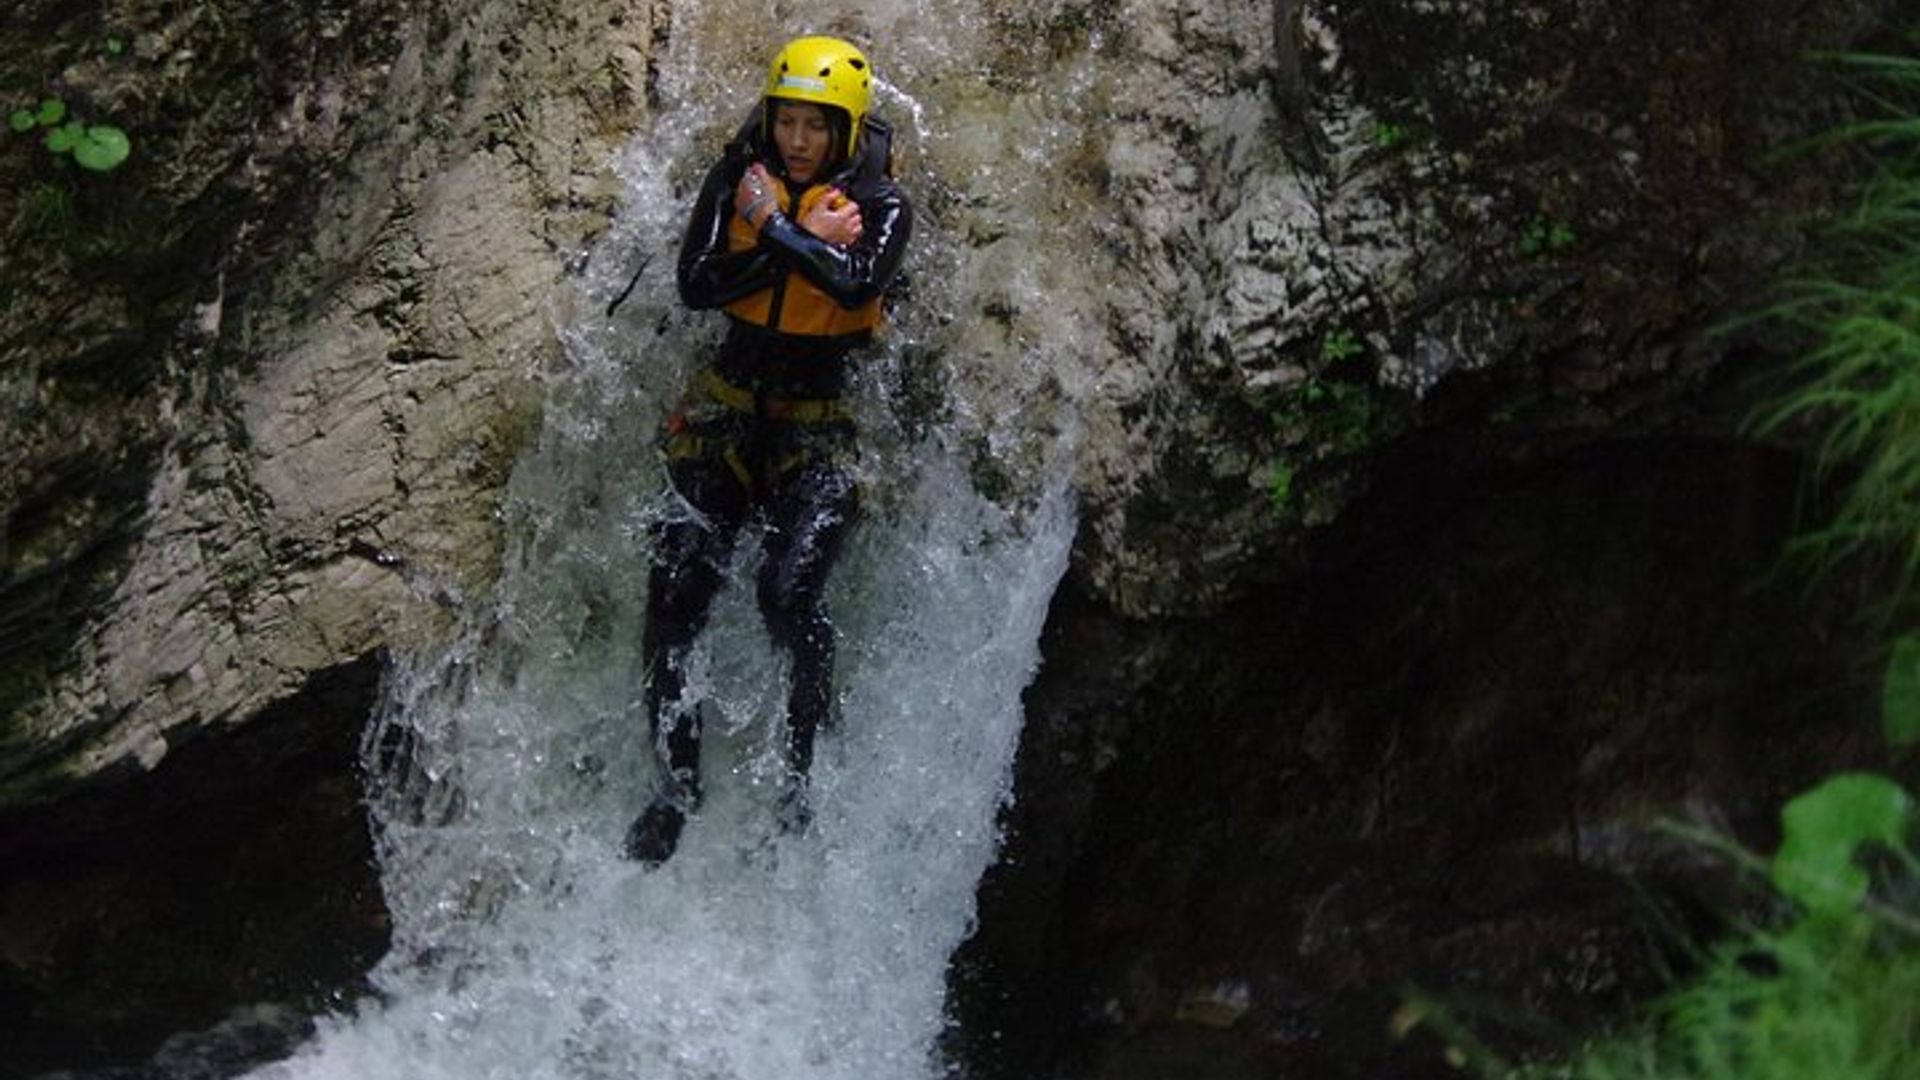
[[796, 234]]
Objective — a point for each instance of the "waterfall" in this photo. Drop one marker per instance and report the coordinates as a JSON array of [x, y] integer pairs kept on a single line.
[[507, 765]]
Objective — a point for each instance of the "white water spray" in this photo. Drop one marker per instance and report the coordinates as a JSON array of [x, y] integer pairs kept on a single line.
[[509, 765]]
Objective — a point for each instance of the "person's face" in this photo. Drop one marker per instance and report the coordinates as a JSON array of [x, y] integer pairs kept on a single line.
[[803, 137]]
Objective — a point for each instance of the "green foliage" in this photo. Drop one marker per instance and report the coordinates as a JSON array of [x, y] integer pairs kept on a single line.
[[1331, 412], [1334, 414], [1780, 1007], [1833, 991], [1339, 344], [1388, 136], [1280, 488], [1900, 693], [1857, 388], [1545, 235], [63, 139], [94, 147], [1824, 831], [1832, 994], [103, 149]]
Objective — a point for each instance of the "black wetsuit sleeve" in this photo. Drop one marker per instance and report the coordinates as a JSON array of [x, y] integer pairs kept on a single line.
[[855, 274], [710, 276]]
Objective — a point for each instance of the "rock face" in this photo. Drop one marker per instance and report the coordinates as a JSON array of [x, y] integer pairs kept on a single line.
[[1387, 286], [1342, 221], [263, 382], [1439, 279], [259, 389], [1448, 560], [1442, 763], [186, 899]]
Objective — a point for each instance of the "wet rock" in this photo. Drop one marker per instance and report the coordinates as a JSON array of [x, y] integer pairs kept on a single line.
[[1440, 762], [260, 388], [1340, 223], [263, 383], [1220, 1005], [239, 872]]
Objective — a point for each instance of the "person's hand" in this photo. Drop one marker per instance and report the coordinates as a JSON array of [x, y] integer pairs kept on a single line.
[[754, 195], [833, 218]]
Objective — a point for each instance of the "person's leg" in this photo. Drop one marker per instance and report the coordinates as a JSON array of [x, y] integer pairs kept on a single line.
[[807, 523], [690, 556], [689, 566]]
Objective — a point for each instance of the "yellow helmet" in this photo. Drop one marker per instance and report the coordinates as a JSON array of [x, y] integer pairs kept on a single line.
[[824, 71]]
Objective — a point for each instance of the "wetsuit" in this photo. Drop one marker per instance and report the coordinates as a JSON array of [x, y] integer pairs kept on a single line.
[[764, 432]]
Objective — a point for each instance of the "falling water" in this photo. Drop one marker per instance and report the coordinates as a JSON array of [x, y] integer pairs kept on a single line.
[[508, 765]]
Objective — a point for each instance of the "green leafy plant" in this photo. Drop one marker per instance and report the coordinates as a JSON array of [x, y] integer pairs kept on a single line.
[[1900, 693], [1544, 235], [1778, 1007], [1339, 344], [1823, 834], [1857, 386], [1337, 414], [102, 148], [1832, 991], [1331, 412], [1388, 136], [49, 112], [1855, 391], [1280, 487], [94, 147]]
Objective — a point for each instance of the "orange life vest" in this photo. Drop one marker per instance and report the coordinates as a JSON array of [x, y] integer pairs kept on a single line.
[[794, 305]]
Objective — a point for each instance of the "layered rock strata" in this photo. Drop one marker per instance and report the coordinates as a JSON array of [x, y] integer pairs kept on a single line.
[[263, 383]]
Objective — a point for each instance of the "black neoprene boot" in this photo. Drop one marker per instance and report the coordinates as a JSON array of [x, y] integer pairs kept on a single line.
[[654, 835]]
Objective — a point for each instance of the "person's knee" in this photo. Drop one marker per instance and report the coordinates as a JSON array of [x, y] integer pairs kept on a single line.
[[684, 576], [834, 492], [677, 596], [790, 606]]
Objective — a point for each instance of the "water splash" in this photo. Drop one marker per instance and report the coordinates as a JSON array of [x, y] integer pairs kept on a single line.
[[508, 765]]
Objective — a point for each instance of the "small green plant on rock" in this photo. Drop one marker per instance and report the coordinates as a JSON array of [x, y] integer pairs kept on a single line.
[[1280, 488], [1389, 136], [50, 112], [1331, 412], [1339, 344], [1544, 235], [94, 147]]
